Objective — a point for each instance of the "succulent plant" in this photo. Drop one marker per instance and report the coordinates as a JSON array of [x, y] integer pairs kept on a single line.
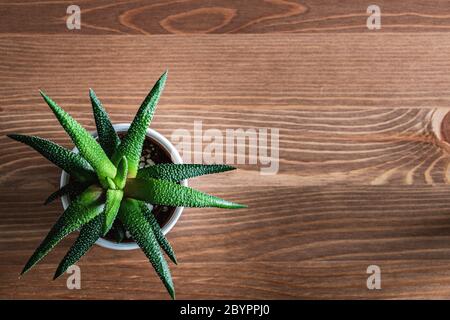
[[106, 184]]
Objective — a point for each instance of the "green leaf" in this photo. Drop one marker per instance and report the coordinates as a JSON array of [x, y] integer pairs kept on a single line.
[[86, 144], [177, 172], [110, 184], [163, 242], [89, 233], [172, 194], [131, 145], [131, 216], [107, 136], [80, 211], [113, 199], [71, 162], [72, 189], [122, 170]]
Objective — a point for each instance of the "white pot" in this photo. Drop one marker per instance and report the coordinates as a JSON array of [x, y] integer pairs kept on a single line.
[[176, 158]]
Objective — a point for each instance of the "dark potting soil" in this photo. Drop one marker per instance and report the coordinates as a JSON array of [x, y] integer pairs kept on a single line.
[[152, 153]]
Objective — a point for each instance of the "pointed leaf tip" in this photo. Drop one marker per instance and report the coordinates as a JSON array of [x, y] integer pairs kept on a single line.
[[71, 162], [89, 233], [122, 171], [92, 94], [177, 172], [168, 193], [87, 145], [83, 209], [131, 145], [107, 136], [160, 237], [141, 231], [112, 205], [44, 95], [172, 293]]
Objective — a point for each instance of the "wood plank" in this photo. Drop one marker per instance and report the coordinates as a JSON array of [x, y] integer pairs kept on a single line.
[[221, 16], [348, 70], [323, 147], [241, 280], [281, 224]]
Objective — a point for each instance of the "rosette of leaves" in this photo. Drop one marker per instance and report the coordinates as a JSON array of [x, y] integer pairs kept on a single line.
[[106, 184]]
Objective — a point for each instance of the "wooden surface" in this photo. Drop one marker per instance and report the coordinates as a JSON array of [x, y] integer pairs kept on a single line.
[[222, 16], [363, 178]]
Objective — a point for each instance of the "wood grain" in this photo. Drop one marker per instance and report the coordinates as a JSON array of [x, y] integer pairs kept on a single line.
[[363, 178], [340, 70], [222, 16], [333, 146], [250, 280]]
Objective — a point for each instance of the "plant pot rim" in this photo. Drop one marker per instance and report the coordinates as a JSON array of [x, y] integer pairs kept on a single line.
[[176, 158]]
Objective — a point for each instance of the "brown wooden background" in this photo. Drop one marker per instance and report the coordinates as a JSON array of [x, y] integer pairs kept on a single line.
[[363, 179]]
